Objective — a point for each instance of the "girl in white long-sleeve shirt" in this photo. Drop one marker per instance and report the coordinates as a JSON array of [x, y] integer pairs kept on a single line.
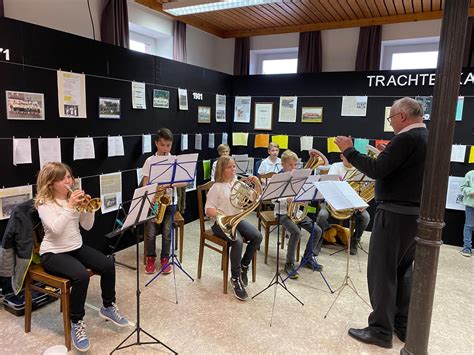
[[63, 252]]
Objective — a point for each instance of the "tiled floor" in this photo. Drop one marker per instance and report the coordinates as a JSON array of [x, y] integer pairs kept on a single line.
[[207, 321]]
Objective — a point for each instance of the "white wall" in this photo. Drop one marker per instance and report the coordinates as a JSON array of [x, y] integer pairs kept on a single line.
[[64, 15], [406, 30]]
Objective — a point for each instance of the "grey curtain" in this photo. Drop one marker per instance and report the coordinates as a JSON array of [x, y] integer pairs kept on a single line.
[[114, 24], [242, 56], [368, 50], [310, 52], [179, 42], [468, 58]]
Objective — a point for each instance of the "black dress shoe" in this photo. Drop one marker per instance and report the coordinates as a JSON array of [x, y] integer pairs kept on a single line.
[[368, 336], [401, 334]]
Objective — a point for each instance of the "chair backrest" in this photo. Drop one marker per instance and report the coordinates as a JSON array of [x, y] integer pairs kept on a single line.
[[264, 177], [202, 191]]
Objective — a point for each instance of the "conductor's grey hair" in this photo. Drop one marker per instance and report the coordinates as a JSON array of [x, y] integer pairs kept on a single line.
[[409, 106]]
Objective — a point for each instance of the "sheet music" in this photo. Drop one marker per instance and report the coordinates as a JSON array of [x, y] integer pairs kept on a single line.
[[84, 148], [184, 142], [162, 169], [115, 146], [49, 150], [198, 141], [224, 138], [244, 164], [186, 167], [211, 140], [131, 218], [285, 184], [21, 151], [146, 143], [340, 195]]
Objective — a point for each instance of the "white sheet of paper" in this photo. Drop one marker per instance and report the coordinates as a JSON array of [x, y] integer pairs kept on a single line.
[[340, 195], [354, 106], [138, 95], [21, 151], [242, 109], [183, 99], [115, 146], [211, 140], [71, 94], [146, 143], [224, 138], [137, 200], [287, 109], [198, 141], [139, 176], [13, 196], [84, 148], [244, 164], [220, 108], [285, 184], [49, 150], [306, 142], [110, 191], [458, 153], [186, 167], [162, 171], [184, 142], [454, 200]]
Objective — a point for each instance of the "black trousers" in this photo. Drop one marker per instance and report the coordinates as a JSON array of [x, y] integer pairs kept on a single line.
[[389, 270], [73, 265]]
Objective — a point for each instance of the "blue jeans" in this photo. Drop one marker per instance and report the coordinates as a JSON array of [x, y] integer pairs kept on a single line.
[[468, 227]]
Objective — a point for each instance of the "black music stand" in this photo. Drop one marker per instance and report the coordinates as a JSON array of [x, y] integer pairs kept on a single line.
[[243, 164], [170, 170], [309, 193], [341, 196], [137, 214], [282, 186]]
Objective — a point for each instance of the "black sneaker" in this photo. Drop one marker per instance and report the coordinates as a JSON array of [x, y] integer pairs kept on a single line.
[[353, 251], [291, 271], [243, 276], [313, 264], [239, 290]]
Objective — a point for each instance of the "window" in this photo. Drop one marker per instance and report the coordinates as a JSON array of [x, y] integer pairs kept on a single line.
[[274, 61], [419, 53], [142, 43]]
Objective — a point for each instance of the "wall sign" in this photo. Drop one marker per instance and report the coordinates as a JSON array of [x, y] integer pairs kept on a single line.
[[420, 79], [197, 96], [5, 52]]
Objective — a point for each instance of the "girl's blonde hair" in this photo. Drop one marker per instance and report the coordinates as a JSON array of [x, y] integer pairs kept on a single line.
[[289, 155], [222, 163], [50, 173]]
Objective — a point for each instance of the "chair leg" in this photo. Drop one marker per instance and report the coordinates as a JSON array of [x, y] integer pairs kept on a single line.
[[267, 241], [181, 242], [28, 305], [201, 255], [66, 316], [259, 225], [225, 259], [254, 267]]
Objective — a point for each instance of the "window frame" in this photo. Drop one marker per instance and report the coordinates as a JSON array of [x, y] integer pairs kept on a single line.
[[258, 56], [389, 48]]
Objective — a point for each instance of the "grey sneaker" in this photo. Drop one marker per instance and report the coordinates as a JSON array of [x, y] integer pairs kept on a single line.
[[243, 275], [239, 290], [291, 271], [112, 314], [466, 252], [79, 337]]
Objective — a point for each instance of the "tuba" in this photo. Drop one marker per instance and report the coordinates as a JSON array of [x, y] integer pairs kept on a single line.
[[245, 195], [162, 200], [365, 189], [87, 204], [297, 211]]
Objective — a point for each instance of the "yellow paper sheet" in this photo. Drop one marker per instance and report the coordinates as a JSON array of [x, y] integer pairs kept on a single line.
[[471, 155], [332, 147], [240, 138], [262, 140], [281, 140]]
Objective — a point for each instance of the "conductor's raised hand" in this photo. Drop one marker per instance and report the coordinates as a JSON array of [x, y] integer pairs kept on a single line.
[[344, 142]]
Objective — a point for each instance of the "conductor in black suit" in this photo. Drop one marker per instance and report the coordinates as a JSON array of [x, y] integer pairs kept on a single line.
[[398, 174]]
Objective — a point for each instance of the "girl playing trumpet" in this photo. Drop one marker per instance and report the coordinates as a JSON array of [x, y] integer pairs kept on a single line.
[[63, 252]]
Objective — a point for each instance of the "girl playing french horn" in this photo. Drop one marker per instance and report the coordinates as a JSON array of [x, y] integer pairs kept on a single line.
[[64, 254], [218, 199]]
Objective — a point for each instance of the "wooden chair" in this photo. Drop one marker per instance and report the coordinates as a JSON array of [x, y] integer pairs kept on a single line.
[[37, 273], [178, 232], [218, 244]]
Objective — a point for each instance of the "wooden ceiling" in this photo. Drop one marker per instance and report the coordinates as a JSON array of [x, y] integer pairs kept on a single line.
[[289, 16]]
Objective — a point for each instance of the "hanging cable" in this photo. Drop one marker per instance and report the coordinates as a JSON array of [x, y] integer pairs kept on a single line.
[[92, 21]]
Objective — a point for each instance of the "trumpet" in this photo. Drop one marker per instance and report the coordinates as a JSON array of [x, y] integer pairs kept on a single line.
[[87, 204]]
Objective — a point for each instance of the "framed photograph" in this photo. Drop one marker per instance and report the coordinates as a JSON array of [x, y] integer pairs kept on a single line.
[[263, 116], [13, 196], [161, 98], [109, 108], [25, 106], [204, 114], [312, 114]]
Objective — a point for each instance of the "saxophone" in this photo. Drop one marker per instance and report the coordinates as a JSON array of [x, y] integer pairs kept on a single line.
[[162, 200], [297, 211], [245, 195]]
